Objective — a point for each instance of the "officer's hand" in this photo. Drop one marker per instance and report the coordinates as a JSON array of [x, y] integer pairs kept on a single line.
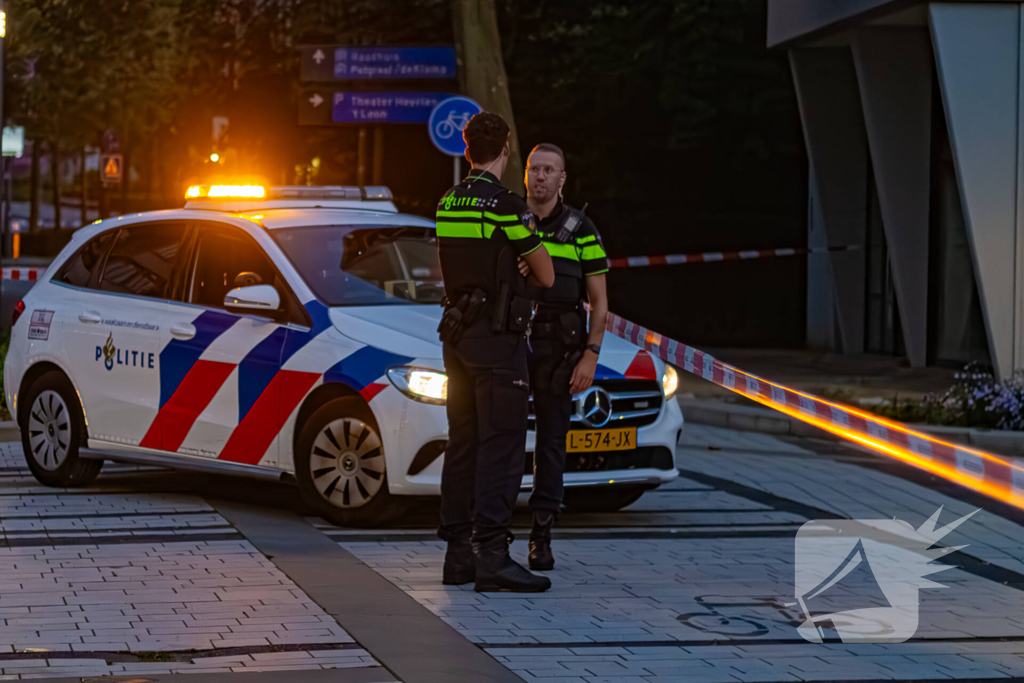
[[583, 373], [524, 268]]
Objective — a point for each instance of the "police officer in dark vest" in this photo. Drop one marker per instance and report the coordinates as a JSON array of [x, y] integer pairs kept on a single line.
[[482, 230], [563, 354]]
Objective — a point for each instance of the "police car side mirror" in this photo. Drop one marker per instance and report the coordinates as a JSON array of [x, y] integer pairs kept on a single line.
[[255, 299]]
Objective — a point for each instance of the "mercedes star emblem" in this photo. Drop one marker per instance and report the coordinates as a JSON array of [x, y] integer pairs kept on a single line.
[[594, 407]]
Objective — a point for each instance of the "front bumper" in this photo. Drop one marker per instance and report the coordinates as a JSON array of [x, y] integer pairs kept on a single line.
[[424, 427]]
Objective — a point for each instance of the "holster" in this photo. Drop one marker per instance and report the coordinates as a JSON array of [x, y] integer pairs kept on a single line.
[[520, 311], [512, 313], [457, 317]]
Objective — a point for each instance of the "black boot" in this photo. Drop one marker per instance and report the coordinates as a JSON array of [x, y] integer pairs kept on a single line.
[[459, 563], [541, 558], [496, 571]]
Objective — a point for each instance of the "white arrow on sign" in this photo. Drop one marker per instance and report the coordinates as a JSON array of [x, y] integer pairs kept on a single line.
[[318, 56], [316, 100]]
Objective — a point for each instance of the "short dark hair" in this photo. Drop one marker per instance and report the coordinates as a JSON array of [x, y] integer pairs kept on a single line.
[[485, 136], [548, 147]]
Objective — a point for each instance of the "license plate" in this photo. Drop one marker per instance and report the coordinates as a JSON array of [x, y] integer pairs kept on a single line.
[[579, 441]]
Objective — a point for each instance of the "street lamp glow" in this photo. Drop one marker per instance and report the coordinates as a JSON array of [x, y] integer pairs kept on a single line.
[[214, 157], [3, 24]]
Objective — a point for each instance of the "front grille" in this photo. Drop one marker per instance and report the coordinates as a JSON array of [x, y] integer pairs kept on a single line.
[[657, 457], [635, 403]]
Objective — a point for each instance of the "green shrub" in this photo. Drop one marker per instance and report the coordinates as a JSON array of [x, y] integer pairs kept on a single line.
[[975, 399]]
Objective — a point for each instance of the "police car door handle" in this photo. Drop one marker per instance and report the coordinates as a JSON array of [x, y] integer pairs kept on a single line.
[[90, 317], [183, 330]]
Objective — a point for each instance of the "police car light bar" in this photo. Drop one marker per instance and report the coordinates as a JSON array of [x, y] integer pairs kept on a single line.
[[349, 192], [255, 197], [226, 192]]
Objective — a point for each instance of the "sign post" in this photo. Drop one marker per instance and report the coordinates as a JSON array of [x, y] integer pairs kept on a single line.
[[13, 146], [445, 128]]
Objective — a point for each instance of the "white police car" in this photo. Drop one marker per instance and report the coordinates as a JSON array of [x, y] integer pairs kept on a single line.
[[285, 334]]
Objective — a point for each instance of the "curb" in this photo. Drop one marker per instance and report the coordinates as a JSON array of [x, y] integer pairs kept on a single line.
[[762, 420], [9, 431], [747, 419]]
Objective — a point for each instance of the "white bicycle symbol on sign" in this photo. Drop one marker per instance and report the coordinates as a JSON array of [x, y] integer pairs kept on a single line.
[[455, 122]]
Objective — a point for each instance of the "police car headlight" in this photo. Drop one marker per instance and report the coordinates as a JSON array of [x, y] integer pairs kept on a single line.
[[669, 381], [420, 384]]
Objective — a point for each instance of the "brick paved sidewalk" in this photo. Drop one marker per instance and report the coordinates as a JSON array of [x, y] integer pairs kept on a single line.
[[690, 583], [708, 604], [87, 588]]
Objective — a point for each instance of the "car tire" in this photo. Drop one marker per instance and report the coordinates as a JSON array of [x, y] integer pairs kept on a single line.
[[601, 498], [52, 431], [340, 466]]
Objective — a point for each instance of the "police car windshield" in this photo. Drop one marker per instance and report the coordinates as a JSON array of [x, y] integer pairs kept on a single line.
[[360, 265]]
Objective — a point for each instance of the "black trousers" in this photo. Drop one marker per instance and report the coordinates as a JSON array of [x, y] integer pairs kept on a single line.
[[488, 404], [552, 407]]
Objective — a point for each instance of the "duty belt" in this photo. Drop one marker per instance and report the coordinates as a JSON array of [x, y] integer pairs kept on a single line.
[[565, 325]]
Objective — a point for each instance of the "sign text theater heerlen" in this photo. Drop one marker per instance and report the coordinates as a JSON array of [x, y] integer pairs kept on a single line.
[[384, 107]]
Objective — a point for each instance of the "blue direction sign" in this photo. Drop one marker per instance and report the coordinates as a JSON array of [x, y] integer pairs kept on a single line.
[[334, 62], [394, 62], [447, 121], [384, 107]]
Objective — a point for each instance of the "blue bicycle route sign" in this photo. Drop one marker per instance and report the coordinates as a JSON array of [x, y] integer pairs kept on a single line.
[[384, 107], [447, 121]]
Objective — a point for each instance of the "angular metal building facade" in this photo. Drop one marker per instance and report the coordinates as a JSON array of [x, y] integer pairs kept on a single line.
[[913, 118]]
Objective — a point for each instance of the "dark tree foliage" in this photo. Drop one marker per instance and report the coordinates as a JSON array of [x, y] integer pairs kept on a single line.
[[73, 69], [680, 128], [666, 81], [240, 59], [682, 133]]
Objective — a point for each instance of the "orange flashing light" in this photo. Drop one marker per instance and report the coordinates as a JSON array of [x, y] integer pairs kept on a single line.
[[246, 191], [226, 191]]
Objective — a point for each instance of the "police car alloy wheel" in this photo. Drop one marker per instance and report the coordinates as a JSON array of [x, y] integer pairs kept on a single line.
[[347, 463], [51, 432], [339, 464]]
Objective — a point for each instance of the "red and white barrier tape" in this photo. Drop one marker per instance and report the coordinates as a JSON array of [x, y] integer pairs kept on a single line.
[[710, 256], [30, 274], [983, 472]]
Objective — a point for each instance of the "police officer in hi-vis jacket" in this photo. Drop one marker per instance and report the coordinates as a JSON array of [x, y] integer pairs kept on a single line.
[[482, 230]]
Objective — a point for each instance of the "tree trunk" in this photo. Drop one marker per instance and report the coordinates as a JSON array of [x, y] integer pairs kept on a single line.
[[55, 179], [33, 187], [84, 189], [482, 72]]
